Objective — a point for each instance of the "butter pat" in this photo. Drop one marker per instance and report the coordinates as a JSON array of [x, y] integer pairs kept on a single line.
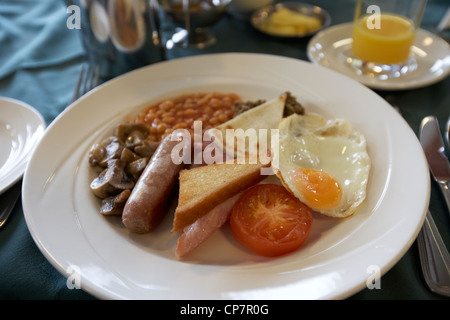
[[288, 22]]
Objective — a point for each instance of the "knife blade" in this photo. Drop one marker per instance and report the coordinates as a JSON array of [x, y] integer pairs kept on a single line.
[[433, 146]]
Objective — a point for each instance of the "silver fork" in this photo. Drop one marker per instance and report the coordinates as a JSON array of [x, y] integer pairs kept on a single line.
[[87, 80], [8, 201], [434, 257]]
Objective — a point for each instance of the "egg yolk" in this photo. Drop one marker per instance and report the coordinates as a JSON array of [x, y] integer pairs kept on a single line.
[[320, 189]]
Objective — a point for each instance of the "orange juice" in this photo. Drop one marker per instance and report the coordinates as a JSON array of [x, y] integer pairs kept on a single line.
[[386, 43]]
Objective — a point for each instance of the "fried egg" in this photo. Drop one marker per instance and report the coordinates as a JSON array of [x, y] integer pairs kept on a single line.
[[324, 163]]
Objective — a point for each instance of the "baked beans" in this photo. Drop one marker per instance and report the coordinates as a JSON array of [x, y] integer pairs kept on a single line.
[[180, 113]]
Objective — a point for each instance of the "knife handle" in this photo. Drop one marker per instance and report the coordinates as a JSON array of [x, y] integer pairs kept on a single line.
[[434, 257], [445, 188]]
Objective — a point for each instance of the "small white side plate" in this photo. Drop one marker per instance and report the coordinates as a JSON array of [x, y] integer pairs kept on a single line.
[[21, 128], [331, 47]]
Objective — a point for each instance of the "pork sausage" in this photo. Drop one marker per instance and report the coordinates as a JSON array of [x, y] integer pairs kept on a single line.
[[150, 199]]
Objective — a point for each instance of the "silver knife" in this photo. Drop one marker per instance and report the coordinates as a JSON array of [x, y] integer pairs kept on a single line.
[[433, 146]]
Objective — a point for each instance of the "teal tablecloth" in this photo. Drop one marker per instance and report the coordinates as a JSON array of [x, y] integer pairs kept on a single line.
[[40, 59]]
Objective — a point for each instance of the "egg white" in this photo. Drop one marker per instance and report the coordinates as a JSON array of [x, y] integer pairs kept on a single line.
[[333, 146]]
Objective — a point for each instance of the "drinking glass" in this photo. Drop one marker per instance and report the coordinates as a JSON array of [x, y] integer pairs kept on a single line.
[[120, 35], [383, 36], [193, 18]]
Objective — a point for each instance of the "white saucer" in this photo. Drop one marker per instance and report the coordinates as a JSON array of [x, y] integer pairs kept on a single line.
[[21, 128], [331, 47]]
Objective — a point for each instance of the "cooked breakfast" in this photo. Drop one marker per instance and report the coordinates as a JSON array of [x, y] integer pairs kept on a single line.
[[320, 166]]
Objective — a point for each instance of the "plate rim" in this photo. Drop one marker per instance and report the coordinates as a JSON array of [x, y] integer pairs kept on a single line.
[[92, 287]]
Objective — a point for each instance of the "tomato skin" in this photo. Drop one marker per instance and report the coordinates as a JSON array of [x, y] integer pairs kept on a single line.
[[270, 221]]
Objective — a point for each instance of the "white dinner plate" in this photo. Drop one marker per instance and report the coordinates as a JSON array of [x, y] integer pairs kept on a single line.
[[335, 262], [331, 48], [21, 128]]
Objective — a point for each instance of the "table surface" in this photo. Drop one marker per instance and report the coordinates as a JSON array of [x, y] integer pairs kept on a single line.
[[46, 81]]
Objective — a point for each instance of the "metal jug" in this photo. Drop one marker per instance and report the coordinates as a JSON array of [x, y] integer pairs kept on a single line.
[[120, 35]]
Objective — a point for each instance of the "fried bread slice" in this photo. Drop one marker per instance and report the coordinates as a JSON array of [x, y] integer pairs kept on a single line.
[[203, 188]]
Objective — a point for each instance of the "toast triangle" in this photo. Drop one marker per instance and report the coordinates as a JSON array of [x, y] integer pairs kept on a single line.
[[203, 188]]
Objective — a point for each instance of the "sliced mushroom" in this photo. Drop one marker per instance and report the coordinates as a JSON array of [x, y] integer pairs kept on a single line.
[[136, 167], [146, 149], [112, 180], [113, 206], [96, 154], [132, 134], [128, 155], [101, 153], [121, 159]]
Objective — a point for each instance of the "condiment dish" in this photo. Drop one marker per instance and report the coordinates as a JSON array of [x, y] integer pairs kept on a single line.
[[260, 16]]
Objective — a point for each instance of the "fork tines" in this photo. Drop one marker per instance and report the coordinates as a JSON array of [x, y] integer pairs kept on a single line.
[[87, 80]]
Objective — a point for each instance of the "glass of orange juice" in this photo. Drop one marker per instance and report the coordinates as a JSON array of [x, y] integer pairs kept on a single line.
[[383, 35]]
